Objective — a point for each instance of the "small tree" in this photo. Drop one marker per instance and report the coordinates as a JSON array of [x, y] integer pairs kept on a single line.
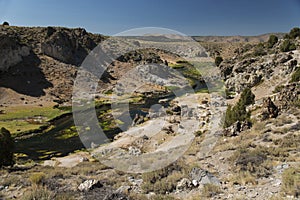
[[239, 112], [273, 39], [295, 32], [287, 45], [247, 97], [218, 60], [6, 148], [259, 50], [5, 24], [296, 75]]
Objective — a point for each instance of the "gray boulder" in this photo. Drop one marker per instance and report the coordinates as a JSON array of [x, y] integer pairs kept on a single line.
[[89, 185], [203, 177]]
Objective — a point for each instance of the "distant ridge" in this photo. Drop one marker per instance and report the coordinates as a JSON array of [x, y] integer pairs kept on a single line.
[[238, 38], [231, 39]]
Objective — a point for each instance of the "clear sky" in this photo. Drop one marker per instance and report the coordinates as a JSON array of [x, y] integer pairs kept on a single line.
[[191, 17]]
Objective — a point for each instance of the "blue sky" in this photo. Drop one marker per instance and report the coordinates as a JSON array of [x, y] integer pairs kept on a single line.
[[191, 17]]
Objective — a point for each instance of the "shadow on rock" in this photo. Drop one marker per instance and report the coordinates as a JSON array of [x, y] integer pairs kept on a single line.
[[26, 77]]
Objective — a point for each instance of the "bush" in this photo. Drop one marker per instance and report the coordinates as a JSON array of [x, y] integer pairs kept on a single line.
[[37, 178], [247, 97], [238, 112], [38, 193], [273, 39], [259, 50], [287, 45], [218, 60], [291, 181], [5, 24], [6, 148], [296, 75], [210, 190], [294, 33]]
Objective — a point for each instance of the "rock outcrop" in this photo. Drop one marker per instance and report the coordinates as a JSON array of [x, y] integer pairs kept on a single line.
[[270, 109], [11, 51], [89, 185]]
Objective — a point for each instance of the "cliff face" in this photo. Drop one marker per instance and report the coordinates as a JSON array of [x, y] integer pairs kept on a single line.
[[11, 51], [41, 62], [66, 45]]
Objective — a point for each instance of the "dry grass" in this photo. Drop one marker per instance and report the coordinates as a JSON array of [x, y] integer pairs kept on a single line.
[[210, 190], [291, 181], [37, 178], [164, 180], [41, 193], [242, 178]]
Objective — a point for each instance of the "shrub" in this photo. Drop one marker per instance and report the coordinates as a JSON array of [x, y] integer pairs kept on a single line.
[[259, 50], [287, 45], [243, 178], [296, 75], [38, 193], [238, 112], [247, 97], [5, 24], [295, 32], [163, 180], [273, 39], [37, 178], [210, 190], [6, 148], [291, 181], [218, 60]]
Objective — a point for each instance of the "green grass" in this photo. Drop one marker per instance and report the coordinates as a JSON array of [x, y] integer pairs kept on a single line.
[[18, 126], [14, 118], [176, 66], [68, 133], [21, 112]]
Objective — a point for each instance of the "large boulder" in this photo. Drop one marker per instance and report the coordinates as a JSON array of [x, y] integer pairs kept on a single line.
[[6, 148], [203, 177], [183, 184]]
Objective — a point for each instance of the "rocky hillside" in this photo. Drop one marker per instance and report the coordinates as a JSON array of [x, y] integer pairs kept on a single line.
[[254, 155]]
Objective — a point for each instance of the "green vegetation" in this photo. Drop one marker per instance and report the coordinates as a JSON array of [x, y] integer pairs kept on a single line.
[[188, 70], [248, 160], [287, 45], [210, 190], [37, 178], [18, 126], [238, 112], [6, 148], [218, 60], [5, 24], [278, 88], [291, 181], [296, 75], [20, 119], [273, 39], [68, 133], [259, 50], [294, 33], [164, 180], [247, 97], [21, 112]]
